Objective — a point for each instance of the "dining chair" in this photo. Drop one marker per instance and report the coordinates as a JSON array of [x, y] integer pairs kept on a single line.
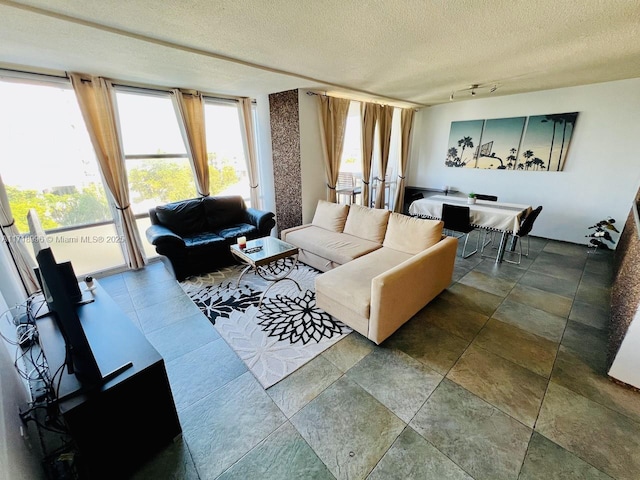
[[491, 198], [347, 186], [525, 228], [457, 218], [526, 225]]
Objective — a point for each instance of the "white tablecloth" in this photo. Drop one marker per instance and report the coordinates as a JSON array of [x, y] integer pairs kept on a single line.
[[504, 217]]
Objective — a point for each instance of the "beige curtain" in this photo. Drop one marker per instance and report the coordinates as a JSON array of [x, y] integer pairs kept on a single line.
[[97, 104], [190, 109], [333, 121], [249, 144], [11, 237], [385, 117], [368, 115], [406, 124]]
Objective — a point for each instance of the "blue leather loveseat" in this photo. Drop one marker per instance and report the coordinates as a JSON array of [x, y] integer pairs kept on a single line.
[[195, 234]]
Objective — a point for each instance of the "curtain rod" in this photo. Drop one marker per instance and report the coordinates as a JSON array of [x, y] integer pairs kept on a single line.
[[324, 94], [34, 76], [64, 79]]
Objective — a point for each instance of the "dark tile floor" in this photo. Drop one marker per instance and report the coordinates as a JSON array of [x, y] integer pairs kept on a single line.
[[501, 377]]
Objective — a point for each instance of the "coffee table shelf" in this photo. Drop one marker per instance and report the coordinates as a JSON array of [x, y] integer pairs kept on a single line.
[[263, 256]]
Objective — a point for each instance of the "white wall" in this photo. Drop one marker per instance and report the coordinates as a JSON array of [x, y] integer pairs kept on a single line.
[[10, 286], [601, 174], [311, 157], [19, 456]]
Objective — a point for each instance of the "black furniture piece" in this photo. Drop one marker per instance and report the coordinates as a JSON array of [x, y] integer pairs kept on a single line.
[[119, 425], [526, 225], [195, 234], [491, 198], [456, 219], [525, 229], [412, 193]]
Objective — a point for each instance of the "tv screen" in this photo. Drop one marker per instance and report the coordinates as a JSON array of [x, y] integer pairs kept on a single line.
[[61, 289]]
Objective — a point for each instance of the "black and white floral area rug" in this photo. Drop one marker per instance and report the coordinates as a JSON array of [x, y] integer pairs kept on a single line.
[[280, 336]]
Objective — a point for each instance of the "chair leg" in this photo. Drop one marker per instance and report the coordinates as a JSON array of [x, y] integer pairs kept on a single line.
[[519, 242], [466, 239], [486, 243]]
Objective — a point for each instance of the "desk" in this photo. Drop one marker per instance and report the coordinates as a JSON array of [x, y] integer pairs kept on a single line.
[[132, 416], [495, 216]]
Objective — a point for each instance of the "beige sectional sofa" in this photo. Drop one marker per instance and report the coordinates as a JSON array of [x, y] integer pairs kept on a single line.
[[380, 267]]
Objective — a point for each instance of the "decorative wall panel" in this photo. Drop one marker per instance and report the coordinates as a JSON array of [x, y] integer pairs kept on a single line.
[[285, 145], [625, 292]]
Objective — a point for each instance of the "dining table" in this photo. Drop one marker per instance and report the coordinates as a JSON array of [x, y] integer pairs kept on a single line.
[[504, 218]]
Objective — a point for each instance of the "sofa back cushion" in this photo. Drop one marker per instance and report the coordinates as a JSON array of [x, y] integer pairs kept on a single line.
[[410, 234], [184, 217], [367, 223], [224, 211], [330, 216]]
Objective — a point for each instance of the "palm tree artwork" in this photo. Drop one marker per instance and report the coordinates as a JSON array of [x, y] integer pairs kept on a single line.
[[528, 162], [464, 143], [535, 143], [549, 137], [568, 120], [512, 159], [463, 138], [499, 143]]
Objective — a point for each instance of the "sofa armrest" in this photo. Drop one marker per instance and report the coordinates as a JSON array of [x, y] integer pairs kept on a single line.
[[158, 234], [283, 233], [264, 220], [399, 293]]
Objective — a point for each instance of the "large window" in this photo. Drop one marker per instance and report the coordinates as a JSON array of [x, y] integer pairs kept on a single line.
[[351, 161], [158, 166], [227, 165], [47, 163]]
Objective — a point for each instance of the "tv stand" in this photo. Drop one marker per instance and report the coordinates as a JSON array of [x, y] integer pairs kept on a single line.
[[123, 421]]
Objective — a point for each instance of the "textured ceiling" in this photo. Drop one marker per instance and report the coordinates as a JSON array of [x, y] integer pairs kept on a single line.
[[414, 51]]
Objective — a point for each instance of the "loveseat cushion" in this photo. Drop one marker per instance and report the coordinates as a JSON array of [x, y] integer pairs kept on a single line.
[[367, 223], [238, 230], [223, 211], [350, 284], [202, 240], [184, 217], [410, 234], [330, 216], [337, 247]]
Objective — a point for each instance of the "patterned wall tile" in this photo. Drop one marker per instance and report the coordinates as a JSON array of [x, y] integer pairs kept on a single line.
[[285, 145]]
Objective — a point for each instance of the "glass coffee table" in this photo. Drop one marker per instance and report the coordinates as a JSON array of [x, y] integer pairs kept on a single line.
[[267, 257]]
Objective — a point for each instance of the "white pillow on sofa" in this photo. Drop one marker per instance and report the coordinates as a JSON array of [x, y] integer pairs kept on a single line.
[[330, 216], [367, 223], [410, 234]]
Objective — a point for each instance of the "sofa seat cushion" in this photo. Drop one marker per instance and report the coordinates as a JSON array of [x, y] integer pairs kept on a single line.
[[237, 230], [337, 247], [350, 284], [330, 216], [410, 234], [367, 223], [184, 217], [203, 240]]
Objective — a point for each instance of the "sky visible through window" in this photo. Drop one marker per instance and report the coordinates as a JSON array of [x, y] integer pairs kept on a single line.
[[44, 140]]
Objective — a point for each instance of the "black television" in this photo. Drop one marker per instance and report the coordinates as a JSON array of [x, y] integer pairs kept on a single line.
[[62, 294]]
